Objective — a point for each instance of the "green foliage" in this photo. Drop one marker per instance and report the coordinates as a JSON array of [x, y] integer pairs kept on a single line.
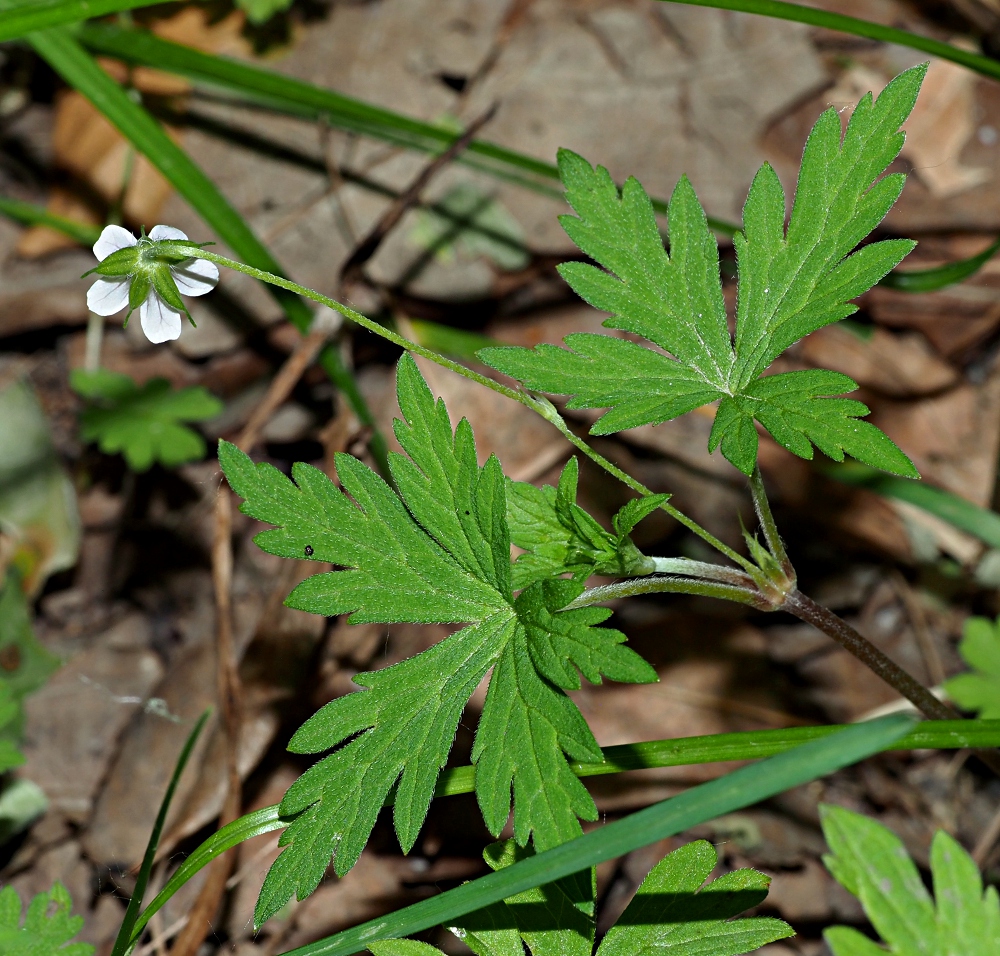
[[672, 912], [559, 537], [10, 720], [25, 665], [791, 282], [871, 862], [143, 423], [260, 11], [48, 926], [443, 542], [979, 689]]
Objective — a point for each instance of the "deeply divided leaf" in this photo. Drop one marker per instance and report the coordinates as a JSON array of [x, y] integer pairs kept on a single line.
[[146, 424], [47, 928], [435, 550], [978, 689], [673, 912], [870, 861], [792, 281]]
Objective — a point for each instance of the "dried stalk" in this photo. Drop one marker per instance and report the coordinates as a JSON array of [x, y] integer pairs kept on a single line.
[[228, 687]]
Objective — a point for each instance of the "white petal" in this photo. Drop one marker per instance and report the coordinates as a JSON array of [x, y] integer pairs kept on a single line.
[[196, 277], [160, 322], [159, 233], [111, 240], [108, 295]]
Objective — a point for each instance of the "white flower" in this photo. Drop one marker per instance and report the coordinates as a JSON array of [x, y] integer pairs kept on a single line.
[[161, 321]]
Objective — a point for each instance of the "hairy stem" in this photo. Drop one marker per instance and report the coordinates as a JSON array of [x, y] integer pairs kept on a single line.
[[540, 405], [767, 523], [670, 585], [823, 619]]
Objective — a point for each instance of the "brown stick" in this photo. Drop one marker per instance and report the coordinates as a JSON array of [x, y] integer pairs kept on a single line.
[[368, 246], [229, 692], [918, 620], [228, 686], [324, 325]]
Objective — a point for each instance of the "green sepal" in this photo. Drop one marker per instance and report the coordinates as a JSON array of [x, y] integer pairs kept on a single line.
[[137, 291], [166, 288]]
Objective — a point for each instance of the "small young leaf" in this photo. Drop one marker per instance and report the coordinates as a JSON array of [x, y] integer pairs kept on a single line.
[[48, 926], [870, 861], [559, 537], [979, 689], [442, 542], [791, 282], [143, 423], [673, 912]]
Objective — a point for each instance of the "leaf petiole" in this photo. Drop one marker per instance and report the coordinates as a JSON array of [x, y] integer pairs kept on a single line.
[[538, 404]]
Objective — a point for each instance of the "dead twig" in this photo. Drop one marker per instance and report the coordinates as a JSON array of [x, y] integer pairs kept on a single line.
[[987, 840], [228, 686], [364, 250], [918, 621]]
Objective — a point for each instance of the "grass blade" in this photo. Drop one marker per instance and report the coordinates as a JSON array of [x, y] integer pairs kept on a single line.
[[19, 17], [739, 789], [273, 90], [930, 280], [678, 752], [981, 523], [308, 101], [245, 828], [29, 214], [122, 943], [78, 68], [853, 25]]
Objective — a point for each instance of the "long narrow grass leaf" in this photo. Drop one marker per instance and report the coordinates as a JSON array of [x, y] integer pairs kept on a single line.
[[682, 751], [981, 523], [122, 942], [245, 828], [739, 789], [931, 280], [856, 26], [29, 214], [20, 17]]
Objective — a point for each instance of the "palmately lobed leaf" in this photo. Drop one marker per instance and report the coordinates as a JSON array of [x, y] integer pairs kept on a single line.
[[674, 912], [978, 689], [48, 926], [143, 423], [438, 550], [792, 281], [870, 861]]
